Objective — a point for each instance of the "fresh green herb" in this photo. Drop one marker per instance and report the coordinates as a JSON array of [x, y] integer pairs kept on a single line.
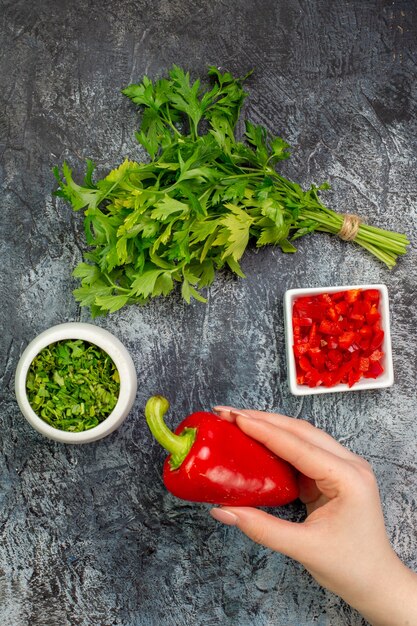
[[73, 385], [196, 205]]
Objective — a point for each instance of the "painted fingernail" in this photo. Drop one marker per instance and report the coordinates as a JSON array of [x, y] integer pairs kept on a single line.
[[225, 517], [231, 410], [223, 409], [227, 413], [237, 413]]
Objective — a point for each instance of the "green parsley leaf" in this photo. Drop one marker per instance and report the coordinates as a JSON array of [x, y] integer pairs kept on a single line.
[[237, 224]]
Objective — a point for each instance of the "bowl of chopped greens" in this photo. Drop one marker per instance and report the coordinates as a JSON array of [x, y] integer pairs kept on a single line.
[[75, 383]]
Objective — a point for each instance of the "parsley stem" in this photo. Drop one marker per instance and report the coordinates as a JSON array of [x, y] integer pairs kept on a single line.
[[167, 118], [250, 175], [116, 286], [382, 244]]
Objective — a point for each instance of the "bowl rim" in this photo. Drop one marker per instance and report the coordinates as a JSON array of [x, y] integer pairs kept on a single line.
[[104, 340], [385, 380]]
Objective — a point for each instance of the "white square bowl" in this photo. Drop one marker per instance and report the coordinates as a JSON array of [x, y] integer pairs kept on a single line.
[[384, 380]]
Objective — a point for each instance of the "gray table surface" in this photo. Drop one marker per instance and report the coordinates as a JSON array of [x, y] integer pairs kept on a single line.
[[88, 534]]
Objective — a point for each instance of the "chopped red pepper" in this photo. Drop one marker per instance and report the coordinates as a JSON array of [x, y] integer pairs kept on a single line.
[[364, 343], [331, 365], [375, 370], [354, 376], [302, 321], [301, 348], [212, 460], [332, 343], [338, 337], [335, 356], [317, 357], [313, 378], [363, 364], [312, 337], [373, 315], [332, 314], [325, 297], [376, 356], [341, 307], [352, 295], [377, 340], [304, 363], [338, 295], [328, 379], [346, 340], [329, 328], [372, 295]]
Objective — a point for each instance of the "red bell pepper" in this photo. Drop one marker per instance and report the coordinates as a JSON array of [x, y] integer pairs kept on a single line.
[[212, 460]]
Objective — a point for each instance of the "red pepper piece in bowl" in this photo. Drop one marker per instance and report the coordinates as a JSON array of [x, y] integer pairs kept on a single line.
[[343, 342], [212, 460]]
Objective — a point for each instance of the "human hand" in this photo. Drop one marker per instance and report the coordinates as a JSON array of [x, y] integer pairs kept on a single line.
[[343, 542]]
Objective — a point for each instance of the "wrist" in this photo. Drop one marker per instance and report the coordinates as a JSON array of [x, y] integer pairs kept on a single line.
[[388, 599]]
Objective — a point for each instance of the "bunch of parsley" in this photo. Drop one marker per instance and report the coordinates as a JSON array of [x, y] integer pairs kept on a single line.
[[194, 207]]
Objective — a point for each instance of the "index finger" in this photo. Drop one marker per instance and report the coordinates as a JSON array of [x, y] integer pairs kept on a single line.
[[299, 427], [330, 471]]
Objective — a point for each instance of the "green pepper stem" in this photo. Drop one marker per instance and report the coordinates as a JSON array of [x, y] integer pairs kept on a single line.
[[178, 445]]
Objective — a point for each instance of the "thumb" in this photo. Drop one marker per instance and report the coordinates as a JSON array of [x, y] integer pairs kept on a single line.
[[289, 538]]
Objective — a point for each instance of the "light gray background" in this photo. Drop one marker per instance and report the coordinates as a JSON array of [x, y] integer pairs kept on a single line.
[[88, 535]]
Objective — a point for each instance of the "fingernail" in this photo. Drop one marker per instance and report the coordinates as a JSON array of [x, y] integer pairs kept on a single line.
[[230, 410], [245, 414], [225, 517], [227, 413], [223, 409]]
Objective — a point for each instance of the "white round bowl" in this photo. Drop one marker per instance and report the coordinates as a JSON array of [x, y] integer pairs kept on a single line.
[[104, 340]]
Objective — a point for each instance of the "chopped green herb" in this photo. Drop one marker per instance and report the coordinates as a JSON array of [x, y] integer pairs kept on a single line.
[[73, 385], [193, 209]]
